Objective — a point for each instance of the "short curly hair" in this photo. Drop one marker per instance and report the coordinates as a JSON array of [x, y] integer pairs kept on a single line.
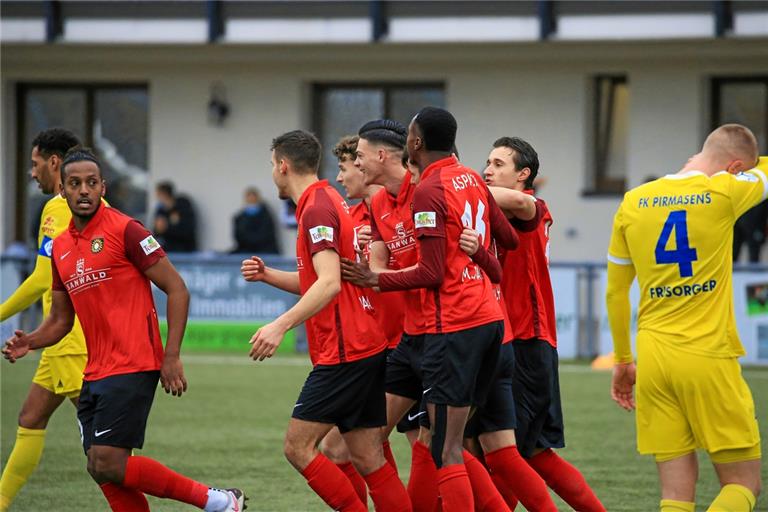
[[346, 148]]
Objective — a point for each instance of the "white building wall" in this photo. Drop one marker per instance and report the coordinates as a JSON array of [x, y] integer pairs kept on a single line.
[[538, 92]]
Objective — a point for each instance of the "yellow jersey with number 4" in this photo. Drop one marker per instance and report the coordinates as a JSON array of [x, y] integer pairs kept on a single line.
[[677, 232]]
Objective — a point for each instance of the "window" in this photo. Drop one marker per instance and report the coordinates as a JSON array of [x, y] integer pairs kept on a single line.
[[111, 119], [341, 109], [742, 100], [610, 134]]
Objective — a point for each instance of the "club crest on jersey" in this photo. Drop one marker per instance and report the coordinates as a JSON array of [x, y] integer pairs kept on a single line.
[[80, 266], [425, 220], [97, 244], [149, 245], [320, 233]]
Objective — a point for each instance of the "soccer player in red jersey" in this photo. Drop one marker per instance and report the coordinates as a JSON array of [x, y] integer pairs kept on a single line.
[[464, 323], [512, 167], [346, 385], [102, 269], [389, 309]]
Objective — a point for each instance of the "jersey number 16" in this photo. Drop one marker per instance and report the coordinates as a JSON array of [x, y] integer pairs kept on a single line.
[[683, 255]]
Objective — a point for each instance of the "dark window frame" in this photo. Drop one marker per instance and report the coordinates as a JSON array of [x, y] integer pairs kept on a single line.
[[22, 153], [716, 87], [318, 88], [599, 183]]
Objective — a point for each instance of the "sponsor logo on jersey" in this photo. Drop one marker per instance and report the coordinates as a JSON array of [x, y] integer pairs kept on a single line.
[[400, 230], [425, 220], [46, 247], [49, 225], [320, 233], [149, 245], [97, 244], [80, 266]]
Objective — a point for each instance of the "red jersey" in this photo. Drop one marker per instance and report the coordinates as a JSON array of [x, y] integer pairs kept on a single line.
[[389, 307], [526, 284], [102, 270], [392, 223], [345, 329], [450, 197]]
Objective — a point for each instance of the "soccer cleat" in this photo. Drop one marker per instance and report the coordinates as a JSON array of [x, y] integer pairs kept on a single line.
[[236, 500]]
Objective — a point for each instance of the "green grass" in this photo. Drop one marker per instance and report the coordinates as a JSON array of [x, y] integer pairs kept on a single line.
[[228, 431]]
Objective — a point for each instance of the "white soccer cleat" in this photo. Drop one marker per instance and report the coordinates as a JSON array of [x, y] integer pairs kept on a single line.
[[237, 500]]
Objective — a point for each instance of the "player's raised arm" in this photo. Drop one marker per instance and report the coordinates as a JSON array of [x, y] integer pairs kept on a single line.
[[167, 278], [254, 270], [320, 293], [514, 203], [501, 230], [56, 325]]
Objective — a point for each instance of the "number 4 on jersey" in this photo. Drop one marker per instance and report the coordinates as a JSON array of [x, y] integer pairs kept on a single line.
[[683, 255]]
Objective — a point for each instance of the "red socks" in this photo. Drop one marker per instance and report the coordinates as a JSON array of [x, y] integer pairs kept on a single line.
[[387, 449], [422, 484], [330, 483], [566, 481], [486, 496], [122, 499], [150, 477], [387, 491], [357, 481], [455, 489], [510, 471]]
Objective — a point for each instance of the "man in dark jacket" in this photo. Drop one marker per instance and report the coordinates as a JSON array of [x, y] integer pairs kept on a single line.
[[175, 221], [254, 227]]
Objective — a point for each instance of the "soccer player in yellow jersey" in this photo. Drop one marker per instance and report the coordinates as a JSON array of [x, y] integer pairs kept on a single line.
[[675, 234], [60, 370]]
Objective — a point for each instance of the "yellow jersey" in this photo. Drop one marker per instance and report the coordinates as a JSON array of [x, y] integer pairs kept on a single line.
[[677, 232], [53, 221]]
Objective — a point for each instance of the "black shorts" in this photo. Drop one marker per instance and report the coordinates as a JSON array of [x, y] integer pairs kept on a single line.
[[536, 387], [498, 413], [458, 367], [404, 367], [113, 411], [348, 395]]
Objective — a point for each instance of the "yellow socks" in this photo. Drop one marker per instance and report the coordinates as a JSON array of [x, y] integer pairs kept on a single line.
[[676, 506], [22, 462], [733, 498]]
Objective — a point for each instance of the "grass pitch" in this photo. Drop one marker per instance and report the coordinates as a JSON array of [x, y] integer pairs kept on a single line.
[[228, 432]]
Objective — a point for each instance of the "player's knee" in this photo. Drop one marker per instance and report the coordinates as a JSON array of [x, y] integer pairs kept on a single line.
[[298, 454], [338, 453], [368, 461], [104, 468], [453, 454], [31, 419]]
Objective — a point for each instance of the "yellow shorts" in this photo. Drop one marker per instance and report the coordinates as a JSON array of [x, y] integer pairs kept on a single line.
[[62, 375], [688, 401]]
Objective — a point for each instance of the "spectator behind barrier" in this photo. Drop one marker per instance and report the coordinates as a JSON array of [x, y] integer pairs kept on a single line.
[[254, 227], [175, 221]]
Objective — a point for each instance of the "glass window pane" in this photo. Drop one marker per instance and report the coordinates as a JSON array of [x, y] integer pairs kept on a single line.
[[120, 138], [746, 103], [617, 152], [405, 102], [47, 108], [342, 111]]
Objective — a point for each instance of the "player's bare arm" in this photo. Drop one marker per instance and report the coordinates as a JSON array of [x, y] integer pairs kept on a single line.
[[254, 270], [54, 327], [514, 203], [326, 264], [164, 276]]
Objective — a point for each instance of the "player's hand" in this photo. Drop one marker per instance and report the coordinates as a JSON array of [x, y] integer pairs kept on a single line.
[[622, 385], [172, 376], [266, 340], [469, 241], [359, 273], [253, 269], [364, 236], [16, 346]]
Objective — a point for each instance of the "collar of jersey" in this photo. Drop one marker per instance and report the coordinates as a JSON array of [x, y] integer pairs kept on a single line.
[[405, 186], [443, 162], [92, 224], [685, 175], [305, 196]]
